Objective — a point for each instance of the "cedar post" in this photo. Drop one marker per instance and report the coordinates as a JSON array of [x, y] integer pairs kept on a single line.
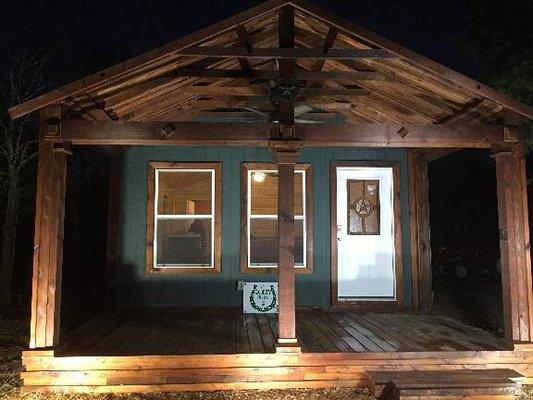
[[514, 234], [286, 155], [286, 151], [48, 242], [422, 277]]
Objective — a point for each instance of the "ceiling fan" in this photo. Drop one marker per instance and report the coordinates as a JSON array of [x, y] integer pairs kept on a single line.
[[284, 90]]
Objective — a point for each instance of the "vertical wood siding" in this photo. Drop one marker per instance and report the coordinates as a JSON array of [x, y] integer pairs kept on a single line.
[[135, 288]]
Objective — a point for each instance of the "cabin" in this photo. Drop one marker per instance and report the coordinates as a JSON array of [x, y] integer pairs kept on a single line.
[[268, 213]]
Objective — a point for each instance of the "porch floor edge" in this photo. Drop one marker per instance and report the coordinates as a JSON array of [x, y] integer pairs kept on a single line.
[[99, 374]]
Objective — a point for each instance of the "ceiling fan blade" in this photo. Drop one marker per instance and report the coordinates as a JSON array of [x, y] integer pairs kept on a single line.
[[308, 121], [302, 109], [256, 111]]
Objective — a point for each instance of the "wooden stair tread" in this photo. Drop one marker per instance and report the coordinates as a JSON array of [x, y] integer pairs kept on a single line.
[[385, 376], [446, 383]]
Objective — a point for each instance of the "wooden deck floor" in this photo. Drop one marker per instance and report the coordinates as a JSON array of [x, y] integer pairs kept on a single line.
[[226, 332]]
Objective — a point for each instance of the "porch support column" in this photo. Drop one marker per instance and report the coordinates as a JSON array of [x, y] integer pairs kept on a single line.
[[419, 225], [286, 155], [48, 242], [514, 234]]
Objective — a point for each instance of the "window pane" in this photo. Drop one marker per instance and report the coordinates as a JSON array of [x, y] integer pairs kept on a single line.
[[264, 193], [184, 192], [264, 242], [184, 241]]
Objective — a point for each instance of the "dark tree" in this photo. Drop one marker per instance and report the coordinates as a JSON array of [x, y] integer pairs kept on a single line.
[[501, 36], [22, 79]]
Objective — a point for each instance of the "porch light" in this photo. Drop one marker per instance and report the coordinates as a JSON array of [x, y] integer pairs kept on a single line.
[[258, 176]]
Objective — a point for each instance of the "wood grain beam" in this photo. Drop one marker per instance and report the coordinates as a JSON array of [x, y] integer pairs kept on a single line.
[[421, 272], [355, 135], [286, 53], [244, 42], [326, 47], [48, 239], [287, 67], [265, 91], [460, 113], [517, 294], [299, 74]]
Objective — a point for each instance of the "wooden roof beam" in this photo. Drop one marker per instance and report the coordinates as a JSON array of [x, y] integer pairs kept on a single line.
[[285, 53], [265, 91], [244, 41], [258, 102], [258, 134], [287, 67], [326, 48], [299, 74], [462, 112]]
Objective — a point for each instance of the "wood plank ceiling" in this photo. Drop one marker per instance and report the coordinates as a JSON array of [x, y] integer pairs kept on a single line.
[[185, 86]]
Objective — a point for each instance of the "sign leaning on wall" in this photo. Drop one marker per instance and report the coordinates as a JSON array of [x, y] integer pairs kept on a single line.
[[260, 297]]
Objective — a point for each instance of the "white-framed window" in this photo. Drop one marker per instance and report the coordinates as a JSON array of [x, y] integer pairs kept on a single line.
[[259, 212], [183, 221]]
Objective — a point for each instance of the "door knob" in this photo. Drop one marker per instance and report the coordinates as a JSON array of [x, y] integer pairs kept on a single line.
[[339, 234]]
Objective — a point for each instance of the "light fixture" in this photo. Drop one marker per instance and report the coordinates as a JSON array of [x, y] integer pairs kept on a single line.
[[258, 176]]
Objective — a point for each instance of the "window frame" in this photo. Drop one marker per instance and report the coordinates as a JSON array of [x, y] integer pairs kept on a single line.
[[151, 226], [307, 218]]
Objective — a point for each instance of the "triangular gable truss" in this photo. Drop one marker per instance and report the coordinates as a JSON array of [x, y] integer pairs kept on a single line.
[[193, 79]]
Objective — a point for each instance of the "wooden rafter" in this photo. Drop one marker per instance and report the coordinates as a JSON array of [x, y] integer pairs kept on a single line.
[[455, 78], [273, 75], [326, 48], [433, 89], [265, 91], [461, 113], [244, 42], [285, 53], [286, 31]]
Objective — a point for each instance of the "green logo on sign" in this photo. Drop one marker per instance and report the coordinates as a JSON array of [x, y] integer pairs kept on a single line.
[[263, 300]]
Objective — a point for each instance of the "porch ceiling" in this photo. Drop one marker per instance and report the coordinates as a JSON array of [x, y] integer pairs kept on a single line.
[[182, 82]]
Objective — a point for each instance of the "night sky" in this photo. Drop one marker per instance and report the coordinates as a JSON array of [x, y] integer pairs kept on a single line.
[[101, 33]]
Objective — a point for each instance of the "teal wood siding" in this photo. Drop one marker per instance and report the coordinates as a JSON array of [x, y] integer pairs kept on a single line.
[[136, 288]]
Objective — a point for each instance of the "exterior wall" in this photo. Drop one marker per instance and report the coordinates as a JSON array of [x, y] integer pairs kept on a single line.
[[136, 288]]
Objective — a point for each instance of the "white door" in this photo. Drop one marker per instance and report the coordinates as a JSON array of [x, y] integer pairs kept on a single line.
[[365, 234]]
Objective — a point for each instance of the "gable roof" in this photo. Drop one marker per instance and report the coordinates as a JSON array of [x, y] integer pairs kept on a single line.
[[408, 89]]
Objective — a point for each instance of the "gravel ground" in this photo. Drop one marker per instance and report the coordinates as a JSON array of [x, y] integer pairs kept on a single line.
[[13, 339]]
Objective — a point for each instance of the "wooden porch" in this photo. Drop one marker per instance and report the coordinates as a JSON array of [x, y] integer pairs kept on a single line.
[[322, 68], [228, 331]]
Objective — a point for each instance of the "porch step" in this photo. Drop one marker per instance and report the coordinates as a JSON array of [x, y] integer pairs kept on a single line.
[[447, 384]]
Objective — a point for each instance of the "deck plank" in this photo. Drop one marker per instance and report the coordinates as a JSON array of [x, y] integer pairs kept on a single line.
[[254, 335], [397, 333], [304, 335], [242, 343], [322, 339], [227, 336], [383, 335], [267, 336], [370, 335], [344, 333], [188, 332]]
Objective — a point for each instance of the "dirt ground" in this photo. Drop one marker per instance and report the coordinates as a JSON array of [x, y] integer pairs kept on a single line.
[[14, 337]]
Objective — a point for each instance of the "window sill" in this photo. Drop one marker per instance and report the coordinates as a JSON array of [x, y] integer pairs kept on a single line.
[[272, 270], [183, 271]]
